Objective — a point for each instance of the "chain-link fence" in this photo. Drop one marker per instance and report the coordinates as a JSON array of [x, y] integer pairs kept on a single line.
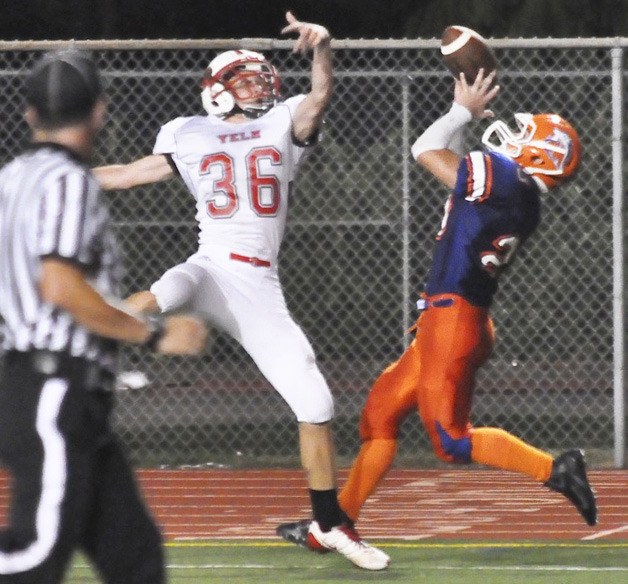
[[358, 245]]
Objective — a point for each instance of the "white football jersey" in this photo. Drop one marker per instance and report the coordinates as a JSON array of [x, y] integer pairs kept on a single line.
[[240, 174]]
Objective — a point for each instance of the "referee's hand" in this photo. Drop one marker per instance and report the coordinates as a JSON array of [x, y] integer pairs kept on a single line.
[[185, 335]]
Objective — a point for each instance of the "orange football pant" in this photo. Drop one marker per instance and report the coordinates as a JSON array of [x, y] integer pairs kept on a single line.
[[436, 373]]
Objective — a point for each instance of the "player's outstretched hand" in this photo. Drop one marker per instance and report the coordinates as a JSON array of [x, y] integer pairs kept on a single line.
[[185, 335], [475, 97], [310, 35]]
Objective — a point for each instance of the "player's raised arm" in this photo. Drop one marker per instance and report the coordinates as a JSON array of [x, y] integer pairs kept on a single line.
[[150, 169], [432, 148], [309, 113]]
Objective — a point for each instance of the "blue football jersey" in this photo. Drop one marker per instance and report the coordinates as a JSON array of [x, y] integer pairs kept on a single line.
[[492, 210]]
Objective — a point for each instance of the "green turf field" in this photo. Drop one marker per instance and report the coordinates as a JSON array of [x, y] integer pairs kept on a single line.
[[412, 562]]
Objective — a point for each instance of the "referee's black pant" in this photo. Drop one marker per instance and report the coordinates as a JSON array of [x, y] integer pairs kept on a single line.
[[71, 484]]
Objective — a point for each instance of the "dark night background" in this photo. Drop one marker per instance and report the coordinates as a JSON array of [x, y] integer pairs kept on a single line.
[[124, 19]]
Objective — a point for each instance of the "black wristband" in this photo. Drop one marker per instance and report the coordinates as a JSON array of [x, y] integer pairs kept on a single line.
[[157, 330]]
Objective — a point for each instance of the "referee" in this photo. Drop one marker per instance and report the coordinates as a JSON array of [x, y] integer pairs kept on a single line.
[[71, 485]]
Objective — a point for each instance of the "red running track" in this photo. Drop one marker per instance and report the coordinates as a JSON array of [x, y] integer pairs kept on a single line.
[[410, 504]]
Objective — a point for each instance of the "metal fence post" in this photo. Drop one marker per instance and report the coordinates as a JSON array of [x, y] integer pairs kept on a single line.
[[405, 206], [619, 406]]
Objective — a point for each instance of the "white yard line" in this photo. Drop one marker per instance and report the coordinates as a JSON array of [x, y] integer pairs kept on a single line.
[[423, 567], [600, 534], [531, 568]]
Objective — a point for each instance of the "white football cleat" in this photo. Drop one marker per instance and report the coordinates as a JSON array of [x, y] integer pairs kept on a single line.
[[346, 541], [131, 380]]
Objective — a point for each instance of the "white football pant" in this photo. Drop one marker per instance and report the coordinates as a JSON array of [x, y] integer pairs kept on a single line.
[[247, 302]]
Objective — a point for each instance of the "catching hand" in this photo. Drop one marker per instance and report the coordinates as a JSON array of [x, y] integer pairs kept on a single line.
[[310, 35], [475, 97]]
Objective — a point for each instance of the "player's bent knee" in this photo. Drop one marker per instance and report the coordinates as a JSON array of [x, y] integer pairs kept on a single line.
[[372, 427], [319, 413], [311, 399], [312, 404], [176, 287], [454, 449], [381, 419]]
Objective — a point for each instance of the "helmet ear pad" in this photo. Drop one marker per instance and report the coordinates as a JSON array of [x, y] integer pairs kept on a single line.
[[216, 100]]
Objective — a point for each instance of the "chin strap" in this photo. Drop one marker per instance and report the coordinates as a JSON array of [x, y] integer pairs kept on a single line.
[[254, 114], [251, 114], [539, 182]]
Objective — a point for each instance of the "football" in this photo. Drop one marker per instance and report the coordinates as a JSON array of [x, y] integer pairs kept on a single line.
[[465, 51]]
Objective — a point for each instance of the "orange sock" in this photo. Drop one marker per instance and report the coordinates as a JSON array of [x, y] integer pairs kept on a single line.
[[497, 448], [373, 461]]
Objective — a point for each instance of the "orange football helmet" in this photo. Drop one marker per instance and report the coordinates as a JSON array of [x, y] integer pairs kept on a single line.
[[545, 145]]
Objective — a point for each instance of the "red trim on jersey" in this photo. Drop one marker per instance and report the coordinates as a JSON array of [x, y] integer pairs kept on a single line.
[[488, 180], [469, 175]]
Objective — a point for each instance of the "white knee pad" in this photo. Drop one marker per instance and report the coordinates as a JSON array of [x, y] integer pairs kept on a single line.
[[308, 395], [175, 289], [319, 412]]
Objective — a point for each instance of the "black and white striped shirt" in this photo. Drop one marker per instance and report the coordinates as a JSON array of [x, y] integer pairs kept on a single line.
[[50, 206]]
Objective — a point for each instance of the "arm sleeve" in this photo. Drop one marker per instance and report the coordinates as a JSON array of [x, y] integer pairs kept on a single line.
[[444, 132]]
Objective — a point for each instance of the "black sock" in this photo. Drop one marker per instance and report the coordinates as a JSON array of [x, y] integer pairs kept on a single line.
[[344, 518], [325, 508]]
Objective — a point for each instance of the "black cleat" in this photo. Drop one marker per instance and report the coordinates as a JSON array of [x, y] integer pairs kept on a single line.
[[569, 477], [294, 532]]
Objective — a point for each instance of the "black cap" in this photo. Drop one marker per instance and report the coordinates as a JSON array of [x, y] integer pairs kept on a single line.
[[63, 88]]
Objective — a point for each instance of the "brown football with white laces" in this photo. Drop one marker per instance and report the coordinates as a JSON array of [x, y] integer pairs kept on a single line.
[[465, 51]]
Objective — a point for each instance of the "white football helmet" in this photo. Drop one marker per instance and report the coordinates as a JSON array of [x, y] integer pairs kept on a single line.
[[546, 145], [239, 81]]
